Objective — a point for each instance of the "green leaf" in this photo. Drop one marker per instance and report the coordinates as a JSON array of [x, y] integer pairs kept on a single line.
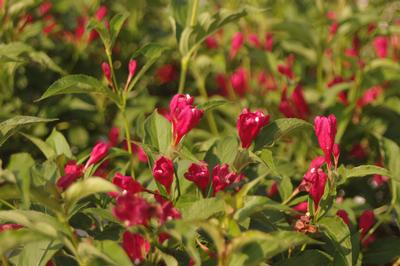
[[277, 129], [226, 149], [158, 132], [101, 29], [13, 125], [14, 238], [114, 252], [267, 159], [59, 144], [307, 257], [212, 104], [202, 209], [87, 187], [365, 170], [79, 84], [382, 251], [116, 24], [339, 234], [38, 253], [44, 147]]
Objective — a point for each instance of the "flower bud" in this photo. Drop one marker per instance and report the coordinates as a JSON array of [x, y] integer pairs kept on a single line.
[[136, 246], [99, 151], [249, 125], [381, 44], [126, 184], [163, 172], [222, 178], [325, 130], [132, 69], [198, 173], [72, 172], [236, 44], [106, 71]]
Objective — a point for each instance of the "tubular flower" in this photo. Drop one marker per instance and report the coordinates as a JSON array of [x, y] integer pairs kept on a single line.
[[126, 184], [132, 70], [269, 41], [296, 107], [314, 180], [239, 81], [72, 172], [199, 174], [222, 178], [184, 116], [325, 130], [113, 136], [99, 151], [6, 227], [163, 172], [106, 71], [369, 96], [249, 125], [365, 222], [236, 44], [136, 246], [381, 44]]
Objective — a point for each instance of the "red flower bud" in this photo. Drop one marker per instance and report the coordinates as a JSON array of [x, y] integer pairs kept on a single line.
[[211, 42], [6, 227], [236, 44], [169, 212], [249, 125], [296, 107], [126, 184], [136, 246], [369, 96], [336, 153], [301, 207], [166, 74], [365, 223], [314, 180], [269, 42], [72, 172], [113, 136], [222, 178], [198, 173], [254, 40], [106, 71], [381, 44], [132, 69], [99, 151], [239, 81], [45, 7], [345, 217], [163, 172], [325, 130]]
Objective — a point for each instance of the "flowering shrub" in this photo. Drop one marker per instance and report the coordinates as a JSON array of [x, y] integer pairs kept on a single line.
[[199, 133]]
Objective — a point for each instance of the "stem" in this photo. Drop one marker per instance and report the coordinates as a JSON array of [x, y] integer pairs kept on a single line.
[[184, 67], [295, 192], [209, 115], [194, 13], [110, 62], [8, 204], [4, 261]]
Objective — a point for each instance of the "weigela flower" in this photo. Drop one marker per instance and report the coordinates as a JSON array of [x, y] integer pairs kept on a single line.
[[269, 41], [163, 172], [99, 16], [106, 71], [236, 44], [72, 171], [134, 210], [296, 107], [168, 212], [184, 116], [325, 130], [136, 246], [211, 42], [222, 177], [381, 44], [286, 68], [345, 217], [99, 151], [365, 222], [369, 96], [342, 94], [166, 74], [199, 174], [132, 70], [45, 7], [254, 40], [6, 227], [239, 81], [113, 136], [249, 125], [273, 190], [358, 151], [301, 207], [314, 180], [126, 184], [267, 81], [136, 149]]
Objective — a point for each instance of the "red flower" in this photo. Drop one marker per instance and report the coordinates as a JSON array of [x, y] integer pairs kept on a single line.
[[166, 74], [136, 149], [369, 96], [358, 152], [45, 7], [286, 69], [345, 217], [106, 71], [6, 227], [269, 41], [168, 212], [163, 172], [267, 81], [254, 40], [297, 106], [381, 44], [136, 246], [249, 125], [113, 136], [314, 180], [365, 222], [273, 190], [211, 42], [342, 94], [132, 70], [236, 44], [100, 14], [184, 116], [325, 130], [379, 180], [99, 151], [198, 173], [221, 81], [239, 81], [222, 178], [72, 172], [126, 184], [301, 207], [134, 210]]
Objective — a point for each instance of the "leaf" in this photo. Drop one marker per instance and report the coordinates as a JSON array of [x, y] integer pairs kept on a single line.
[[101, 29], [211, 104], [87, 187], [79, 83], [158, 132], [116, 24], [202, 209], [38, 253], [44, 147], [13, 238], [114, 252], [166, 258], [267, 159], [13, 125], [339, 234], [382, 251], [226, 149], [59, 144], [307, 257], [277, 129], [365, 170]]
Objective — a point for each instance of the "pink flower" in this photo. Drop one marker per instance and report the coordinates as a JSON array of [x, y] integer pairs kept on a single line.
[[369, 96], [381, 44], [249, 125], [254, 40], [132, 70], [221, 81], [325, 130], [239, 81], [336, 153], [6, 227], [45, 7], [297, 106], [211, 42], [184, 116], [142, 156], [365, 223], [314, 180], [286, 70], [236, 44], [168, 212], [99, 16], [379, 180], [113, 136], [126, 184], [331, 15], [267, 81], [273, 190], [342, 95], [163, 172], [198, 173], [269, 42], [222, 178], [166, 74], [106, 71], [134, 210], [301, 207], [345, 217], [136, 246], [99, 151], [72, 172]]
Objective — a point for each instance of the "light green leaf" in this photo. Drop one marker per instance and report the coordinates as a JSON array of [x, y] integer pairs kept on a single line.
[[158, 132], [38, 253], [59, 144], [114, 252], [14, 238], [116, 24], [226, 149], [365, 170], [102, 31], [44, 147], [211, 104], [202, 209]]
